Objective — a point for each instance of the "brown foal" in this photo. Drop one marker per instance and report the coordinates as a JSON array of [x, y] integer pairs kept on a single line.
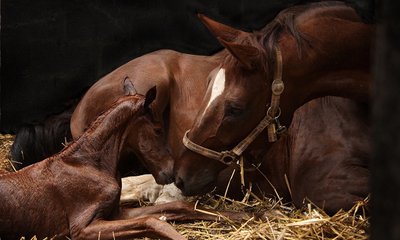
[[76, 192]]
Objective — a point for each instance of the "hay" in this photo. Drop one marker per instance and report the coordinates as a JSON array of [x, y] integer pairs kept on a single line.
[[273, 219], [5, 158], [279, 221]]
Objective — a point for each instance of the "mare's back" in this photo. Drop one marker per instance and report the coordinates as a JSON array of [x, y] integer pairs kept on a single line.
[[329, 9]]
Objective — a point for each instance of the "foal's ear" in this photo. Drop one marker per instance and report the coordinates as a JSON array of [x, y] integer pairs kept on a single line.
[[149, 98], [129, 89], [247, 55], [220, 30]]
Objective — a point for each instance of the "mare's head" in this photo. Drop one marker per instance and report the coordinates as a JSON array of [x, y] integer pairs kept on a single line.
[[147, 140], [315, 63], [234, 104]]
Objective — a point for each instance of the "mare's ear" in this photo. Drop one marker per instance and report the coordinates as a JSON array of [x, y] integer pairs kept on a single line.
[[150, 96], [129, 89], [247, 55], [220, 30]]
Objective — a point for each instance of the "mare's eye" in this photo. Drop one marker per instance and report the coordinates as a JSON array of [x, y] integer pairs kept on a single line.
[[233, 111]]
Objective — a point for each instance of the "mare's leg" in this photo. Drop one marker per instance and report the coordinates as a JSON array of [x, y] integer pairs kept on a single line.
[[330, 149], [180, 211], [150, 221]]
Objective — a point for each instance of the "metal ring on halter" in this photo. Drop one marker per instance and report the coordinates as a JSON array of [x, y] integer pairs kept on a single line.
[[228, 155], [277, 115]]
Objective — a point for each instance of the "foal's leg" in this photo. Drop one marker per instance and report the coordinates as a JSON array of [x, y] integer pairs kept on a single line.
[[131, 228], [180, 211]]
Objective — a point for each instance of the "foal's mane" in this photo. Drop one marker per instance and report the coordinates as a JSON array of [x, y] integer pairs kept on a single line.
[[267, 38], [99, 120], [116, 104]]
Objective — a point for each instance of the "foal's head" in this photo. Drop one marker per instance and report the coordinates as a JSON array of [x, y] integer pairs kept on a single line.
[[147, 140]]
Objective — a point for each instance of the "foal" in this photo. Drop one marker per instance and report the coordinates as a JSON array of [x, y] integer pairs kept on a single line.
[[76, 192]]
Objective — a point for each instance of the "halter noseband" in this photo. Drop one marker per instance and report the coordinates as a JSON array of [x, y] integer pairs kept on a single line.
[[271, 120]]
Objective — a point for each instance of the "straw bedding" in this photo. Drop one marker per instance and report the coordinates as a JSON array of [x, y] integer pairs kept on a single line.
[[277, 221]]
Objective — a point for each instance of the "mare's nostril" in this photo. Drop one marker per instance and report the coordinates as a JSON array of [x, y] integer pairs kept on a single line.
[[179, 183], [164, 178], [168, 178]]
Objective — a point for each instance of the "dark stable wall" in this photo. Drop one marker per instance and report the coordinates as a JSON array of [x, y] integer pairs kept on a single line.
[[54, 50], [385, 167]]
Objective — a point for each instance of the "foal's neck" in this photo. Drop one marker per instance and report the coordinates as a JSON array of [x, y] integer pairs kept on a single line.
[[102, 143]]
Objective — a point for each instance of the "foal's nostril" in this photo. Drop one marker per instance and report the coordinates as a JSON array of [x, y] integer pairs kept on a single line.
[[171, 179]]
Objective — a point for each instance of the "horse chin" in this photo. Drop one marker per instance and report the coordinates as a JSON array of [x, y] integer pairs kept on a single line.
[[195, 187], [195, 190]]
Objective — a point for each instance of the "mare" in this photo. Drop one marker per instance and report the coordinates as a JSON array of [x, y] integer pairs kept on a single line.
[[76, 192], [317, 49]]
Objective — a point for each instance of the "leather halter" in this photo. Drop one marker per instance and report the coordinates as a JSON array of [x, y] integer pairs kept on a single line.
[[270, 120]]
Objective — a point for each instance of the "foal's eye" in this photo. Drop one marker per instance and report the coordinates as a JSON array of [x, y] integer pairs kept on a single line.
[[158, 131]]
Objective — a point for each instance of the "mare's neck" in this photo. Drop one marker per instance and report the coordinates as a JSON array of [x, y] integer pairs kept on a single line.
[[101, 144], [336, 63]]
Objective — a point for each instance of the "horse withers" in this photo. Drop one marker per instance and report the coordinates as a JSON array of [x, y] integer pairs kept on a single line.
[[306, 52]]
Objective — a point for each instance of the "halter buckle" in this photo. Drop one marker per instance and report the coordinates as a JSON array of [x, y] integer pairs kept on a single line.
[[280, 128]]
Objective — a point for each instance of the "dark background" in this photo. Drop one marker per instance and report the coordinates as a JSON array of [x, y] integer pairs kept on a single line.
[[385, 167], [53, 50]]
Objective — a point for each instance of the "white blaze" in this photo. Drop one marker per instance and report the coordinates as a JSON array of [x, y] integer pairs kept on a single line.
[[218, 86]]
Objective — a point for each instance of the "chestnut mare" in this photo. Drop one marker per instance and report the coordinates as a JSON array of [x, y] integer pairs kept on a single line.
[[309, 51], [76, 192]]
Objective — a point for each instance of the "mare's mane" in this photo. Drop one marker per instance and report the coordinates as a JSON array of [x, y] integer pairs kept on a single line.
[[285, 22]]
